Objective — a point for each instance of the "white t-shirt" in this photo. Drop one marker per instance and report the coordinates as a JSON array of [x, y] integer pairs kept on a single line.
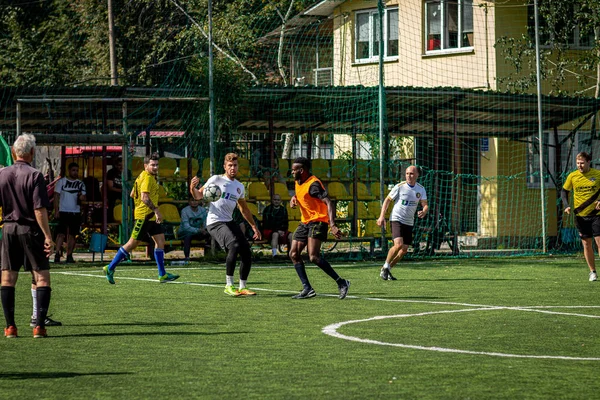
[[222, 209], [69, 190], [407, 199]]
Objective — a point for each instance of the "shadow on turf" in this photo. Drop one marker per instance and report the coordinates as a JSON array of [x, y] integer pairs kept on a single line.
[[148, 334], [52, 375], [369, 295], [138, 324], [465, 279]]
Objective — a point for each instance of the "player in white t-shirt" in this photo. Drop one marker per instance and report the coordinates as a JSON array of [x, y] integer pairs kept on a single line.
[[223, 229], [69, 192], [407, 196]]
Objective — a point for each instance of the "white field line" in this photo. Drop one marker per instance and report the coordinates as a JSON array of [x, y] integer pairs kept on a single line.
[[331, 330], [444, 303]]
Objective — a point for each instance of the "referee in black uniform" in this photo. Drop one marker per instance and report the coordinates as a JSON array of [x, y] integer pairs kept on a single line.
[[26, 237]]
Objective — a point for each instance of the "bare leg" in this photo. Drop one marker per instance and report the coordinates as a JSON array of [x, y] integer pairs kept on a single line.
[[274, 243], [403, 251], [588, 253], [70, 244], [59, 243]]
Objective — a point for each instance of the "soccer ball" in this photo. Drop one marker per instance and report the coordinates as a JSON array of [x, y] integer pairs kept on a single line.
[[212, 192]]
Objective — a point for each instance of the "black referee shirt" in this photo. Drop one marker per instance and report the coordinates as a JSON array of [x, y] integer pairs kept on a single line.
[[22, 191]]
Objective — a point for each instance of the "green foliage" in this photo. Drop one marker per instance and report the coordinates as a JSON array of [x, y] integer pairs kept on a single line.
[[178, 190], [564, 29], [62, 43], [38, 45]]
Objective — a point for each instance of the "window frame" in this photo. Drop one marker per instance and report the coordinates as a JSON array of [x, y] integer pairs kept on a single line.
[[444, 36], [373, 15], [548, 41], [533, 160]]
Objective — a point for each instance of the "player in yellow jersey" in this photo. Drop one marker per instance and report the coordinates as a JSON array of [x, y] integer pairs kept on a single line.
[[145, 197], [318, 216], [585, 183]]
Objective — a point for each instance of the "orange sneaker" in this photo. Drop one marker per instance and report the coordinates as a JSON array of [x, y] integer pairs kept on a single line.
[[246, 292], [39, 332], [10, 332]]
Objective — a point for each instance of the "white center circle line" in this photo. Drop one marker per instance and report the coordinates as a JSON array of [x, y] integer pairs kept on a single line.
[[332, 330]]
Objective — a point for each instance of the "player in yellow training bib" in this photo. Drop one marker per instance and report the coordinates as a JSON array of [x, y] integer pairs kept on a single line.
[[147, 222], [585, 183]]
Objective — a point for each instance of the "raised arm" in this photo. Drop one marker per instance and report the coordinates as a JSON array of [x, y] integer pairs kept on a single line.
[[196, 191]]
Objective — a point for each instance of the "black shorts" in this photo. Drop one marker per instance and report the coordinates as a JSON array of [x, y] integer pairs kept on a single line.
[[588, 226], [23, 246], [70, 222], [315, 230], [144, 229], [227, 233], [400, 230]]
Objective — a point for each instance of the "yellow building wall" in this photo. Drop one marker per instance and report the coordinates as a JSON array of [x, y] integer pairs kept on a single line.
[[511, 21], [518, 207], [489, 191], [508, 207], [468, 69]]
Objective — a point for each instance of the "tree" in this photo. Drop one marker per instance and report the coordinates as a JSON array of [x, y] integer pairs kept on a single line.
[[38, 45], [62, 43], [564, 26]]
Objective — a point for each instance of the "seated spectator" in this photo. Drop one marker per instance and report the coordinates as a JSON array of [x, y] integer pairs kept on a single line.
[[193, 226], [244, 225], [275, 224]]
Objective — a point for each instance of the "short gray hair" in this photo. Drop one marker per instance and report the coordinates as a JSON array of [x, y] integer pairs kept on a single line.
[[23, 144]]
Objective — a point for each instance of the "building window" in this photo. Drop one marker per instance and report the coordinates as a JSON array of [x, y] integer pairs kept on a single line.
[[448, 25], [367, 34], [569, 147], [564, 30]]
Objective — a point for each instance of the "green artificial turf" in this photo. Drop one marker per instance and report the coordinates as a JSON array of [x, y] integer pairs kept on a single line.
[[141, 339]]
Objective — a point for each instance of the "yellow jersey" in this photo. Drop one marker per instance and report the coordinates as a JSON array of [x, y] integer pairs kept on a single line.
[[144, 183], [586, 191]]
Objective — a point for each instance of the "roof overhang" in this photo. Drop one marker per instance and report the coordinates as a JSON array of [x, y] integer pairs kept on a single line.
[[323, 8], [409, 111], [99, 111]]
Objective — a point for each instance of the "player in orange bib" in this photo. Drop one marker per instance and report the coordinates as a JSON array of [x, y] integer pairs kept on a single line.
[[318, 215]]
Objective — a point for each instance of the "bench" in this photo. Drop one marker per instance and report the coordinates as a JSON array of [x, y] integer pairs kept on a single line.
[[332, 242]]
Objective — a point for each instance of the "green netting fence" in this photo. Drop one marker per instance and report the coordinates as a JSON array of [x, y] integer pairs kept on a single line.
[[454, 82]]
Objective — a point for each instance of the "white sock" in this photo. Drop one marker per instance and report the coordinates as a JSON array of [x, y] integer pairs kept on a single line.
[[274, 252], [229, 280], [34, 297], [242, 284], [386, 266]]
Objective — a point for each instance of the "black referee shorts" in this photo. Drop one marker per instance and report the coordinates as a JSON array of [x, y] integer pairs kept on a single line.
[[23, 246]]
